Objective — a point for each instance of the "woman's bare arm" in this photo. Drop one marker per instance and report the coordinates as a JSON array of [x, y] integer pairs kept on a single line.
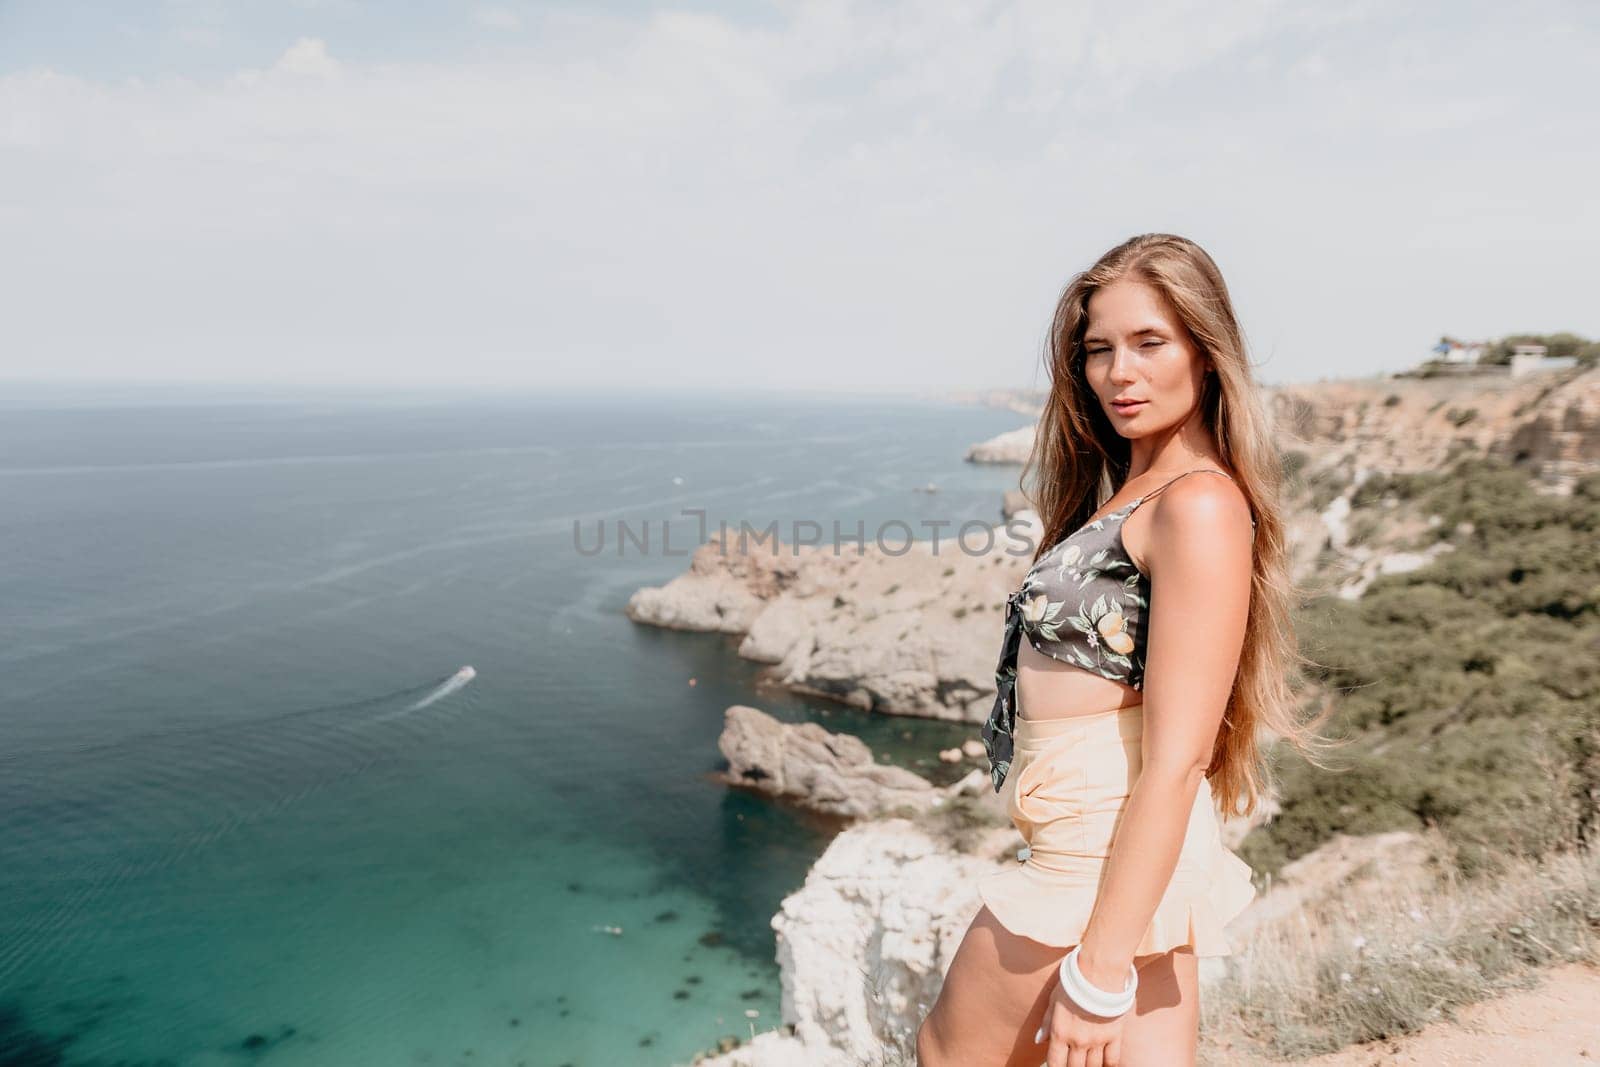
[[1200, 571]]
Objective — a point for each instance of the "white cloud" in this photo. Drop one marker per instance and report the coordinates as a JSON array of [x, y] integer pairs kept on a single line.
[[855, 194], [308, 57]]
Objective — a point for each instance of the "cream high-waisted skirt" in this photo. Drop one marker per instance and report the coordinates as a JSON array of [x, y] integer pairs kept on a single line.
[[1069, 781]]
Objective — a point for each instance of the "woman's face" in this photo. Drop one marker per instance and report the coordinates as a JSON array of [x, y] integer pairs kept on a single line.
[[1137, 350]]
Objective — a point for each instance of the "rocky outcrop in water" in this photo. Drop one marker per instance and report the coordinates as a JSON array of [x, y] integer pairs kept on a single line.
[[725, 589], [1010, 448], [827, 772]]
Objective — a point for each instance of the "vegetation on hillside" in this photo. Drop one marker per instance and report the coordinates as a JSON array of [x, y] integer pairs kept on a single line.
[[1470, 688], [1556, 344]]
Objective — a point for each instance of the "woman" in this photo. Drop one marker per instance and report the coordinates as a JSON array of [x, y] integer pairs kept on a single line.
[[1158, 644]]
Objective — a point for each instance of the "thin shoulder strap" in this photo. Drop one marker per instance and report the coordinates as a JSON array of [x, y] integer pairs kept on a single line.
[[1185, 474], [1197, 470]]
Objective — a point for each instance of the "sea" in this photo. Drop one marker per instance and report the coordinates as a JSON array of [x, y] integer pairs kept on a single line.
[[325, 740]]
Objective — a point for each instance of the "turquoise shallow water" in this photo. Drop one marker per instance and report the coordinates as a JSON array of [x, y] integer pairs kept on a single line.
[[243, 818]]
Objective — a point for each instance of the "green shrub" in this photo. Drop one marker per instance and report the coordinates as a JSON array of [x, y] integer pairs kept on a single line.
[[1471, 687]]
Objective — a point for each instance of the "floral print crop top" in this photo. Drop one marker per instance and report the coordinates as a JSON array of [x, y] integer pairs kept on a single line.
[[1083, 603]]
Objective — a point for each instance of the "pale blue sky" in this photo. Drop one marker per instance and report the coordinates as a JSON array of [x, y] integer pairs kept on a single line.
[[822, 195]]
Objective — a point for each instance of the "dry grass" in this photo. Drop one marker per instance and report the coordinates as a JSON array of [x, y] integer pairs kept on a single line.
[[1377, 964]]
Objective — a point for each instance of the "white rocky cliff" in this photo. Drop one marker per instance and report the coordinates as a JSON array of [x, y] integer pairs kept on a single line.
[[912, 633]]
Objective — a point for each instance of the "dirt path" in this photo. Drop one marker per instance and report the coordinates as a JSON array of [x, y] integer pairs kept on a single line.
[[1555, 1022]]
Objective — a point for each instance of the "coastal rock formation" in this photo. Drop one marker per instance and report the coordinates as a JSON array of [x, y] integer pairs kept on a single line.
[[1550, 421], [723, 590], [1014, 503], [827, 772], [1029, 402], [864, 945], [1340, 433], [904, 631], [1010, 448]]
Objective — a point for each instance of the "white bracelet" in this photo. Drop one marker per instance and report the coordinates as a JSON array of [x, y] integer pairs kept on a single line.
[[1092, 998]]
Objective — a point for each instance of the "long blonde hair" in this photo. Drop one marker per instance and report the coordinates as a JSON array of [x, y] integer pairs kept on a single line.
[[1079, 460]]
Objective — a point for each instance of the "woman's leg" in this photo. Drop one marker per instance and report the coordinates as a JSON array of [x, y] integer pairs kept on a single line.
[[997, 989], [992, 1000], [1163, 1027]]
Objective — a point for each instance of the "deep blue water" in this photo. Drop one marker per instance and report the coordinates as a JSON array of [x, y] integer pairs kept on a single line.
[[242, 823]]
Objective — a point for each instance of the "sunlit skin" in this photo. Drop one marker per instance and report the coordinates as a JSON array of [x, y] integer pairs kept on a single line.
[[1194, 541]]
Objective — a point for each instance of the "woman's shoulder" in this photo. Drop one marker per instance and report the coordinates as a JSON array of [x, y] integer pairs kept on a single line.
[[1203, 515], [1216, 502]]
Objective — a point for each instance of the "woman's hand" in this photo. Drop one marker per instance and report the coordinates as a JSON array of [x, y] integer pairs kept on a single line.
[[1077, 1038]]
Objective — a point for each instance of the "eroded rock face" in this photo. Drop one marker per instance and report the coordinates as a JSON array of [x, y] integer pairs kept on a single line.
[[864, 945], [888, 902], [1550, 422], [913, 632], [1346, 431], [723, 590], [827, 772], [1562, 438]]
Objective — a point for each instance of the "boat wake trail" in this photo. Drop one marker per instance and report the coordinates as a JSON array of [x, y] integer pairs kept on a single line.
[[452, 685]]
